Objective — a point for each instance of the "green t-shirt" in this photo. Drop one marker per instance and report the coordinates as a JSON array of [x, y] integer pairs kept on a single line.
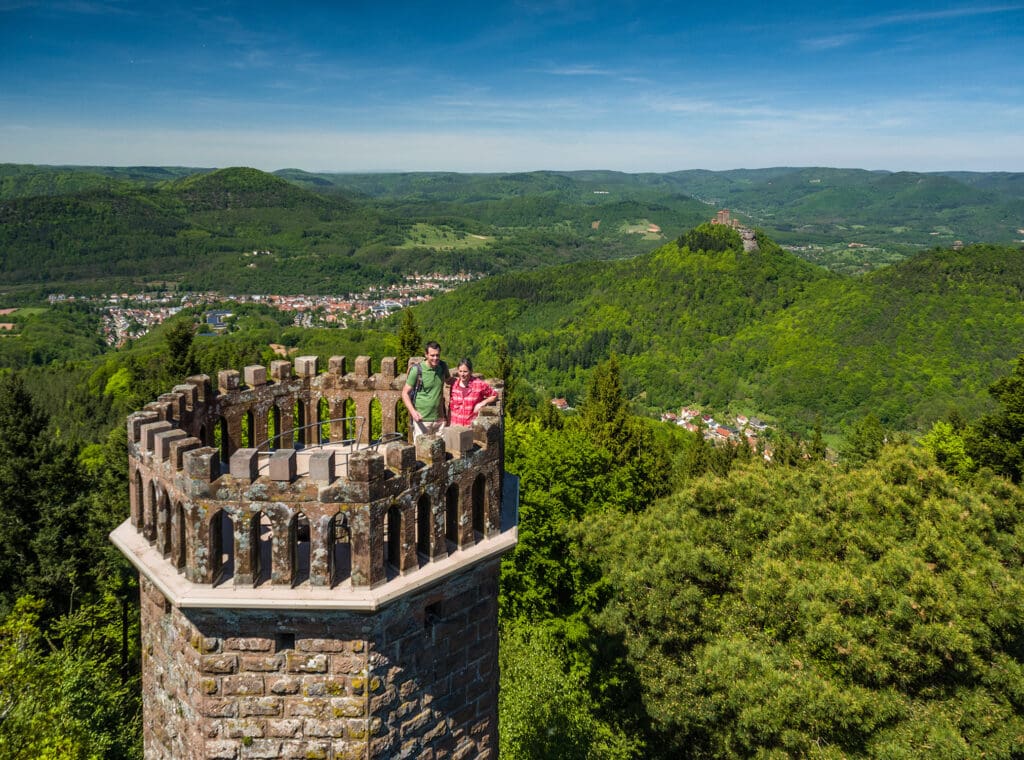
[[430, 396]]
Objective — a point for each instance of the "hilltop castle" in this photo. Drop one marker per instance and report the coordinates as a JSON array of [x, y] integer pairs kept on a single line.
[[747, 235], [312, 588]]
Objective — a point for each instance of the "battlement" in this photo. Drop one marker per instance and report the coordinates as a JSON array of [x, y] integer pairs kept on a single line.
[[296, 487]]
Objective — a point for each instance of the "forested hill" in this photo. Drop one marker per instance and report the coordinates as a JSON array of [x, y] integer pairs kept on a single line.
[[846, 219], [245, 188], [762, 333], [198, 232], [804, 205], [908, 343], [28, 181], [338, 232], [74, 230]]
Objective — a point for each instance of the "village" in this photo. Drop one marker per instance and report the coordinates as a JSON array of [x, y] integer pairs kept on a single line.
[[743, 428], [746, 429], [127, 316]]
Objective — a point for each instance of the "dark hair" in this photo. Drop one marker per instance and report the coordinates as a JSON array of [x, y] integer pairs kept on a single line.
[[467, 362], [433, 344]]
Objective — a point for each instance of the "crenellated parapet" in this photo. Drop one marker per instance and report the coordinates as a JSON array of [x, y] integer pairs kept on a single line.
[[255, 408], [264, 483]]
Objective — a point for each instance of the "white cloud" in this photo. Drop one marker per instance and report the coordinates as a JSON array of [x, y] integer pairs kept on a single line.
[[830, 42], [920, 17], [577, 70]]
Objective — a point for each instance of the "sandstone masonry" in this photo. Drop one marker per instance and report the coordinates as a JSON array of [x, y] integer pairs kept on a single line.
[[311, 587]]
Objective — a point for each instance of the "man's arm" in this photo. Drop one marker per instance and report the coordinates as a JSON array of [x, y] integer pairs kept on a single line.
[[446, 392], [407, 400]]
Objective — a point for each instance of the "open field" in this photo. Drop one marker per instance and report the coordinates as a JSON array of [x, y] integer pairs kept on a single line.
[[443, 238]]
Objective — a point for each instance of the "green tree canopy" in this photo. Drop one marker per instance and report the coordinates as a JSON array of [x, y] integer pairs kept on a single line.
[[711, 238], [785, 612], [68, 702], [997, 439]]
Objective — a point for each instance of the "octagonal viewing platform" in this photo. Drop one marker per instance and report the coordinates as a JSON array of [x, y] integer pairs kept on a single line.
[[259, 494]]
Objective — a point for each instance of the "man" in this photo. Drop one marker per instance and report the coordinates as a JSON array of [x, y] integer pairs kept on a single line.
[[423, 393]]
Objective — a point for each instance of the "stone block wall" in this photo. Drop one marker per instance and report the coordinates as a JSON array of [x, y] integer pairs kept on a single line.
[[418, 679], [385, 644], [179, 485]]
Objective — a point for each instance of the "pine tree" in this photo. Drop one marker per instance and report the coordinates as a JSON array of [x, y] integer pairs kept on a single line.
[[180, 361], [550, 418], [696, 458], [606, 409], [817, 448], [865, 442], [514, 403], [22, 430], [410, 343]]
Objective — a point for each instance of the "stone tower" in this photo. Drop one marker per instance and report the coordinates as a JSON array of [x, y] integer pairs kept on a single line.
[[310, 590]]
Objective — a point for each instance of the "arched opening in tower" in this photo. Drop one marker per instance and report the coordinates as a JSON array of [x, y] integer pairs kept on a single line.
[[451, 517], [299, 423], [222, 439], [222, 547], [149, 513], [393, 540], [137, 500], [340, 549], [300, 549], [423, 526], [479, 506], [350, 422], [274, 427], [402, 421], [178, 535], [248, 430], [323, 415], [263, 549], [163, 523], [376, 419]]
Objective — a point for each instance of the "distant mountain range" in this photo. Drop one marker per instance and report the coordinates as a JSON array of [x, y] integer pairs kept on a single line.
[[821, 210], [100, 227]]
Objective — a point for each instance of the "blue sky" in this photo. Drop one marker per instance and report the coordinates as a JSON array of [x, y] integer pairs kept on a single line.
[[513, 86]]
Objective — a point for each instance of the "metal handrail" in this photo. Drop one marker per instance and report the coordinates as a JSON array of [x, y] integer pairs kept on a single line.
[[360, 422], [284, 434]]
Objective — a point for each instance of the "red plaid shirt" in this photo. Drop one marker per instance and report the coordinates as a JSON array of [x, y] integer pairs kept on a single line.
[[463, 400]]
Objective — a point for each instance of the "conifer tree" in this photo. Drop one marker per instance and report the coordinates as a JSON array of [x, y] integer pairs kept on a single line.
[[410, 343], [22, 430], [180, 360], [514, 405], [606, 409], [817, 448], [865, 441], [696, 458]]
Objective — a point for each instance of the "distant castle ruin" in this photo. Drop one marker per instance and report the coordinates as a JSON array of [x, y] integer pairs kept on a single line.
[[746, 234], [314, 586]]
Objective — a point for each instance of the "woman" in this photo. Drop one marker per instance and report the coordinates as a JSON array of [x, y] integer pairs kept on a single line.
[[469, 395]]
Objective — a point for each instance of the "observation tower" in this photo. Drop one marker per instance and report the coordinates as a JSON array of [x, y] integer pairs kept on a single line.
[[313, 585]]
